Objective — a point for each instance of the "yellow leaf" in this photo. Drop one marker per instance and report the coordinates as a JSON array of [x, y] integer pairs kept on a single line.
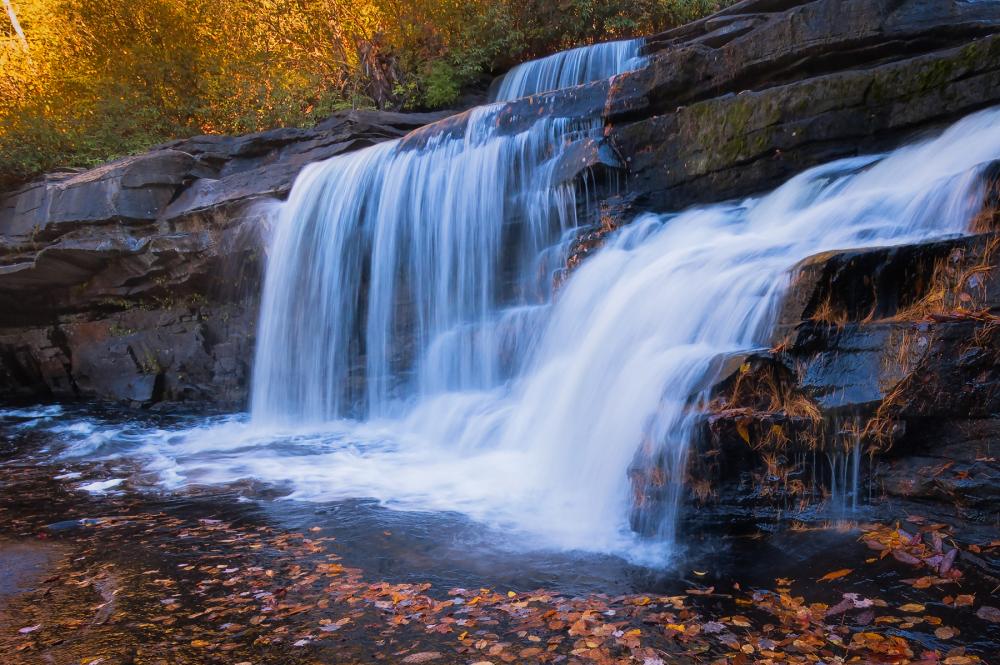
[[912, 607], [741, 429]]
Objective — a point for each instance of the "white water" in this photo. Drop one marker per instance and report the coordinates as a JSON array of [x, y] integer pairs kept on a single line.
[[570, 68], [411, 269], [411, 348], [537, 437]]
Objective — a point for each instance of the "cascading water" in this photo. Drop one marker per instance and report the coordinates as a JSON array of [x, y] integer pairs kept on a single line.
[[570, 68], [401, 255], [618, 361]]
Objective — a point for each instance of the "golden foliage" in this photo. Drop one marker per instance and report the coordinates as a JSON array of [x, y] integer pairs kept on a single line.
[[101, 78]]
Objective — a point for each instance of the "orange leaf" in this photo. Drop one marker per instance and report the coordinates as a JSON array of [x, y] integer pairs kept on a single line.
[[836, 575]]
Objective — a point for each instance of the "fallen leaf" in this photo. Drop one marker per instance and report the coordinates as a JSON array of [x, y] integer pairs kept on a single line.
[[905, 557], [947, 562], [988, 613], [837, 574], [944, 633], [743, 431], [912, 607], [422, 657], [29, 629]]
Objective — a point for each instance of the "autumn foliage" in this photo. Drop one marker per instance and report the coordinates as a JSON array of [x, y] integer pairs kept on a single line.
[[101, 78]]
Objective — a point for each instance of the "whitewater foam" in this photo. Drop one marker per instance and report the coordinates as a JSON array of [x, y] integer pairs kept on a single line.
[[618, 362]]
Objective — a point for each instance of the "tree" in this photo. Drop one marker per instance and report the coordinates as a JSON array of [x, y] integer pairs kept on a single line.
[[17, 26], [111, 77]]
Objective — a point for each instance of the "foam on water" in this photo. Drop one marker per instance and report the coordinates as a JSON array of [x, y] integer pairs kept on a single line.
[[532, 430]]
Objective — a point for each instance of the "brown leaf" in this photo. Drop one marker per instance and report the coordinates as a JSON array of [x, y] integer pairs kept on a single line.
[[988, 613], [947, 562], [905, 557], [422, 657]]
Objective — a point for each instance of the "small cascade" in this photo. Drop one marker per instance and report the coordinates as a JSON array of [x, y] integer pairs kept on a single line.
[[570, 68], [844, 480]]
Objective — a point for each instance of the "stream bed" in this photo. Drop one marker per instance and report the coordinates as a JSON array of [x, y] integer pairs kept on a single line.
[[130, 572]]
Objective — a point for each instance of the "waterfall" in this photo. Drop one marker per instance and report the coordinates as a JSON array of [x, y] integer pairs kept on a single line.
[[409, 287], [393, 269], [570, 68]]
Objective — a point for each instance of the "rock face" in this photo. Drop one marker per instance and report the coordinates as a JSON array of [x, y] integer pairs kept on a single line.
[[137, 281], [888, 362], [739, 102]]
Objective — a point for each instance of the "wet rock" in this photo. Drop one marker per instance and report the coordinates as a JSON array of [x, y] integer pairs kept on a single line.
[[893, 355], [952, 463], [24, 563], [795, 87], [138, 281]]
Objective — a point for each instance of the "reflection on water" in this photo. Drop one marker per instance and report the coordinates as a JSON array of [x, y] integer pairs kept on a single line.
[[90, 447]]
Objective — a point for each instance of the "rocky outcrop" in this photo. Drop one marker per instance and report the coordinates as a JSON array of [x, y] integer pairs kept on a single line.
[[740, 102], [137, 281], [887, 363]]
